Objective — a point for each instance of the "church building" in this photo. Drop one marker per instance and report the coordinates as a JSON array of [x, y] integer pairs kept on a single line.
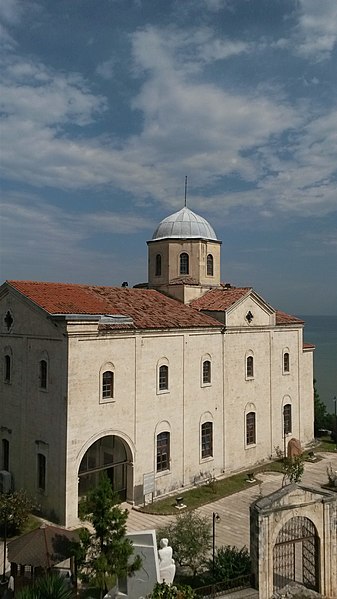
[[163, 386]]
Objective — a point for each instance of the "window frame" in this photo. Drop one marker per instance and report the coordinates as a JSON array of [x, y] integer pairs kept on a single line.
[[43, 374], [206, 377], [163, 452], [287, 419], [184, 264], [107, 388], [41, 463], [158, 265], [210, 265], [250, 367], [206, 440], [163, 378], [250, 432], [5, 454], [286, 362], [7, 368]]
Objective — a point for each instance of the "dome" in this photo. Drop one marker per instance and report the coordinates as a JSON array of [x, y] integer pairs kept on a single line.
[[184, 224]]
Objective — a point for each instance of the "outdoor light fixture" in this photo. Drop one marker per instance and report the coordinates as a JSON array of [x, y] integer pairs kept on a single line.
[[216, 518]]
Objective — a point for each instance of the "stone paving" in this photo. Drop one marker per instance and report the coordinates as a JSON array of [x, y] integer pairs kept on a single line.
[[233, 527]]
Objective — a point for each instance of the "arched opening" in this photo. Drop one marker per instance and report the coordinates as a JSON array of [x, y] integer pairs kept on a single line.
[[296, 554], [112, 455]]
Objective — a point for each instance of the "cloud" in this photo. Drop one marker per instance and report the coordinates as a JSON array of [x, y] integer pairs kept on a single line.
[[106, 69], [317, 29]]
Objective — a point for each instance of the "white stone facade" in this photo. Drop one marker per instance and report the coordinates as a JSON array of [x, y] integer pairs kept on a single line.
[[64, 419]]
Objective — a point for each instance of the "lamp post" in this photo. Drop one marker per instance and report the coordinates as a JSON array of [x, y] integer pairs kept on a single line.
[[5, 546], [335, 402], [216, 518]]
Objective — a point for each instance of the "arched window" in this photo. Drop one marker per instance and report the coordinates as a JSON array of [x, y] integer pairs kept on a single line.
[[206, 372], [163, 451], [163, 378], [184, 264], [287, 424], [250, 367], [210, 265], [5, 454], [250, 428], [207, 440], [41, 471], [107, 385], [43, 374], [7, 365], [158, 265], [286, 362]]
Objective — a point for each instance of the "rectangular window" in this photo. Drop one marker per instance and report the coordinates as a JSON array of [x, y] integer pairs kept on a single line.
[[108, 385], [287, 424], [250, 367], [163, 452], [7, 368], [5, 454], [41, 471], [250, 429], [43, 374], [207, 440], [206, 372], [163, 378], [286, 362]]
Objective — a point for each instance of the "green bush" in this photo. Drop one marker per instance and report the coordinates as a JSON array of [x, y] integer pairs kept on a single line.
[[229, 562]]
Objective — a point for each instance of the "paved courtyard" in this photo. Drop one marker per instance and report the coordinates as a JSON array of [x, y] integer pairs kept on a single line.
[[233, 527]]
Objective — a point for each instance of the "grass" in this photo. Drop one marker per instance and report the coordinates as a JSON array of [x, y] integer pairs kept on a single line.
[[326, 444], [210, 492]]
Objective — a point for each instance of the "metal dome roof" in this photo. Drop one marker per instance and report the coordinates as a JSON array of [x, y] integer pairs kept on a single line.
[[184, 224]]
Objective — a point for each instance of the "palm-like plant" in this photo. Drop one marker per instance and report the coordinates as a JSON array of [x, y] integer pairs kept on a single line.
[[50, 586]]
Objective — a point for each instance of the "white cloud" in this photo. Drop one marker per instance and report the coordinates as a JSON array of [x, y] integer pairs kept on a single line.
[[317, 28], [106, 69]]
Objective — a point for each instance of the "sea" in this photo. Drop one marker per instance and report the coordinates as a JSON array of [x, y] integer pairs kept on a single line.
[[322, 332]]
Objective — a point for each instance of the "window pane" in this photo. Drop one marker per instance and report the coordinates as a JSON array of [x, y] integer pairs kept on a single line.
[[43, 374], [287, 424], [184, 268], [5, 454], [207, 440], [286, 362], [206, 372], [41, 471], [250, 366], [163, 452], [107, 385], [250, 428], [210, 265], [7, 368], [163, 378], [158, 265]]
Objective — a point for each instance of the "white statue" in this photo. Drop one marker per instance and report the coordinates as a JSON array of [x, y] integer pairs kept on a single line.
[[167, 568]]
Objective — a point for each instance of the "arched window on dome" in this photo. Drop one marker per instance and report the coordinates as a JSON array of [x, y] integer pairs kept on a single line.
[[158, 265], [210, 266], [184, 264]]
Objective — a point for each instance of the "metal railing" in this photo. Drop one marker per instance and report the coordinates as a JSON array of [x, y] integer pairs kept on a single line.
[[224, 587]]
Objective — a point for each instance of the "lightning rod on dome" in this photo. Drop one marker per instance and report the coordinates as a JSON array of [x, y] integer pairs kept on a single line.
[[185, 189]]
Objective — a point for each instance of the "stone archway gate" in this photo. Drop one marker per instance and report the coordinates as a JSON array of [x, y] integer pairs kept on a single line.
[[293, 537]]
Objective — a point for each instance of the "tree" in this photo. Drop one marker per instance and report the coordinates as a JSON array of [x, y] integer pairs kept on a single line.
[[190, 537], [229, 562], [15, 507], [104, 555], [293, 469], [320, 412]]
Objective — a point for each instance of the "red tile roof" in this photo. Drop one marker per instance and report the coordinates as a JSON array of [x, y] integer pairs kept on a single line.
[[148, 308], [220, 299], [308, 346], [283, 318]]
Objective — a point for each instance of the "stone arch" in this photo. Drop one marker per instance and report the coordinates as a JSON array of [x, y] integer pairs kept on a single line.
[[110, 451]]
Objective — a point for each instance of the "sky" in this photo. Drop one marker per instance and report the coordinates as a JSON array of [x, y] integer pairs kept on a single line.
[[106, 106]]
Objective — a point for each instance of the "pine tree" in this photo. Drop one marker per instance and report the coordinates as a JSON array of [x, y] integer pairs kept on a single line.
[[104, 555]]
